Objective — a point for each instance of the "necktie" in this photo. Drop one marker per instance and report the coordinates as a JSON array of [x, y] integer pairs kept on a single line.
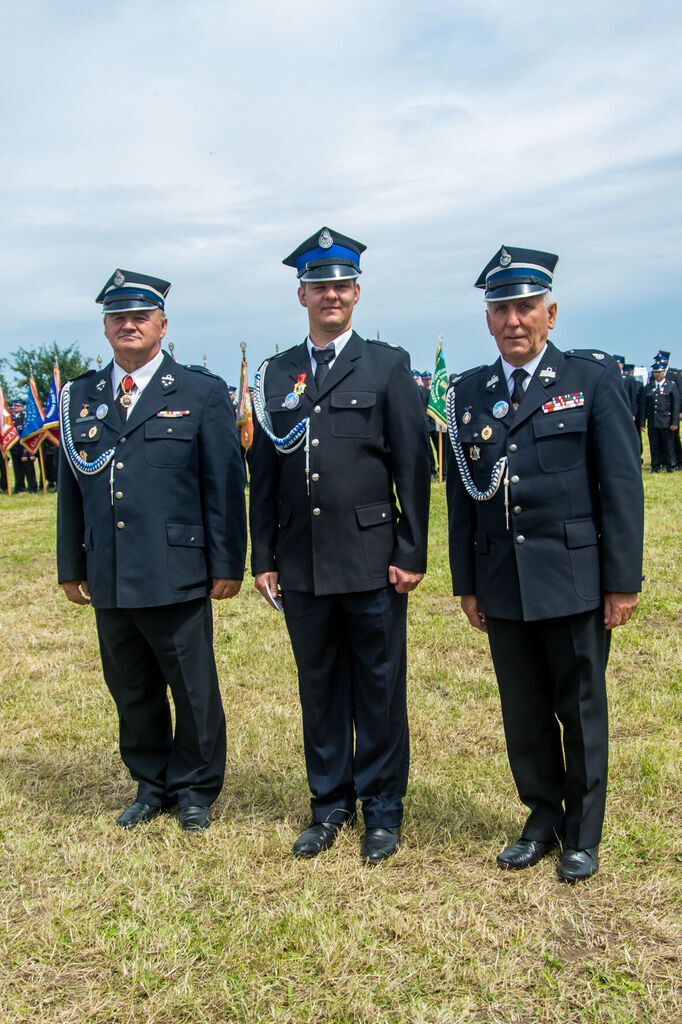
[[519, 376], [323, 357], [124, 399]]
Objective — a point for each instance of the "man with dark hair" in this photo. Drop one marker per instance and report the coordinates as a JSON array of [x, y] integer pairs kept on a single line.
[[339, 515]]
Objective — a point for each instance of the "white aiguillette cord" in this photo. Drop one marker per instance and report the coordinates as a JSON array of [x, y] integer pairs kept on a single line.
[[500, 469], [297, 436]]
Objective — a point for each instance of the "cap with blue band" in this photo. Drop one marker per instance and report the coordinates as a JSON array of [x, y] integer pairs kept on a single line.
[[513, 273], [326, 256], [126, 291]]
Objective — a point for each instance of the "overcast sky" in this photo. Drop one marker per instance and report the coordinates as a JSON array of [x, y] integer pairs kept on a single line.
[[202, 141]]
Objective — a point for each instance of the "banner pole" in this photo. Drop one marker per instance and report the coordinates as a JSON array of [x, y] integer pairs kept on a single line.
[[440, 454], [42, 466]]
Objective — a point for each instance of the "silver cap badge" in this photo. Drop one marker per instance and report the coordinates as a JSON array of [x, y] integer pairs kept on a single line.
[[119, 279], [505, 258], [325, 241]]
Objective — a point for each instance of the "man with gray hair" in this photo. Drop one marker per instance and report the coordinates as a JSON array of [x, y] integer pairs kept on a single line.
[[545, 512]]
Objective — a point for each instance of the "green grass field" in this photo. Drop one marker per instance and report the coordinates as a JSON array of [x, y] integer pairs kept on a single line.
[[157, 925]]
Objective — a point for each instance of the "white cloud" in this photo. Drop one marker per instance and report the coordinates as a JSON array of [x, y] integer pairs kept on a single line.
[[203, 140]]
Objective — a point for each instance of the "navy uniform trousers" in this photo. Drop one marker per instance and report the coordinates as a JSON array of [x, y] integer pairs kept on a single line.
[[571, 533], [551, 672], [144, 652], [350, 650]]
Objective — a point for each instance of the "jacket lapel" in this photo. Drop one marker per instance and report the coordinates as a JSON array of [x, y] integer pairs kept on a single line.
[[101, 393], [495, 391], [343, 364]]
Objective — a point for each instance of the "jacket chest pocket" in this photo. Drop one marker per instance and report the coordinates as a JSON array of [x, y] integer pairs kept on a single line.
[[560, 439], [481, 440], [168, 442], [284, 418], [351, 413]]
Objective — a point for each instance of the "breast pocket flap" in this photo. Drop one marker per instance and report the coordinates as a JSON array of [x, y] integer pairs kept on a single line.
[[353, 399], [169, 429]]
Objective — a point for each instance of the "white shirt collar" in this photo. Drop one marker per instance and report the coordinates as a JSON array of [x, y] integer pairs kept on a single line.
[[530, 369], [338, 346], [141, 376]]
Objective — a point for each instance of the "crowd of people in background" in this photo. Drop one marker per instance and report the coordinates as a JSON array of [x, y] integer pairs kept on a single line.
[[655, 405]]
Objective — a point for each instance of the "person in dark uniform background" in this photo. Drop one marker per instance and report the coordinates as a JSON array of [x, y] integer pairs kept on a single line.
[[23, 463], [427, 379], [660, 411], [342, 435], [674, 375], [423, 390], [545, 523], [152, 525]]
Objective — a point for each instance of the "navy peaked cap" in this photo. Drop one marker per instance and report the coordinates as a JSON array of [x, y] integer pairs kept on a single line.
[[326, 256], [126, 290], [513, 273]]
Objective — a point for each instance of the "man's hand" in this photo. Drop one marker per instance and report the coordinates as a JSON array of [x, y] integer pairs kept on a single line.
[[469, 603], [263, 580], [77, 591], [224, 588], [618, 608], [402, 580], [674, 426]]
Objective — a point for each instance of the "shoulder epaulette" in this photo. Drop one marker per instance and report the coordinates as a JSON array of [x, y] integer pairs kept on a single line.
[[593, 355], [455, 378], [85, 373], [200, 369], [386, 344]]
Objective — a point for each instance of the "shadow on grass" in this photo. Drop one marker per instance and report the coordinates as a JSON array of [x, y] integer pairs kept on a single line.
[[91, 783]]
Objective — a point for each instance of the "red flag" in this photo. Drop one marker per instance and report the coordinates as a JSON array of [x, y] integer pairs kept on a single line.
[[245, 407], [8, 432]]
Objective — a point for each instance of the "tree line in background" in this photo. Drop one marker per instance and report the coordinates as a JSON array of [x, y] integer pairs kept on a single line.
[[39, 362]]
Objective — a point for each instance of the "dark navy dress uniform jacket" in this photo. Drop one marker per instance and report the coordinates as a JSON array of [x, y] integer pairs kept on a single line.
[[368, 444], [164, 517], [575, 496]]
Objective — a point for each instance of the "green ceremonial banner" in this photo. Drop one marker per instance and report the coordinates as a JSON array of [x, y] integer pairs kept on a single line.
[[439, 386]]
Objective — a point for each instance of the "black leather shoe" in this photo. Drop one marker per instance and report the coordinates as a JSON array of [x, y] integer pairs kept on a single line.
[[379, 844], [194, 819], [318, 837], [523, 854], [137, 814], [575, 865]]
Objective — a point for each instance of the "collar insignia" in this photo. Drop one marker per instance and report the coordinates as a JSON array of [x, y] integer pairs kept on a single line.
[[101, 384], [492, 382], [167, 380]]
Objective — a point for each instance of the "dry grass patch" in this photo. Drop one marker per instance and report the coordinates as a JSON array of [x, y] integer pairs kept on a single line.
[[160, 926]]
